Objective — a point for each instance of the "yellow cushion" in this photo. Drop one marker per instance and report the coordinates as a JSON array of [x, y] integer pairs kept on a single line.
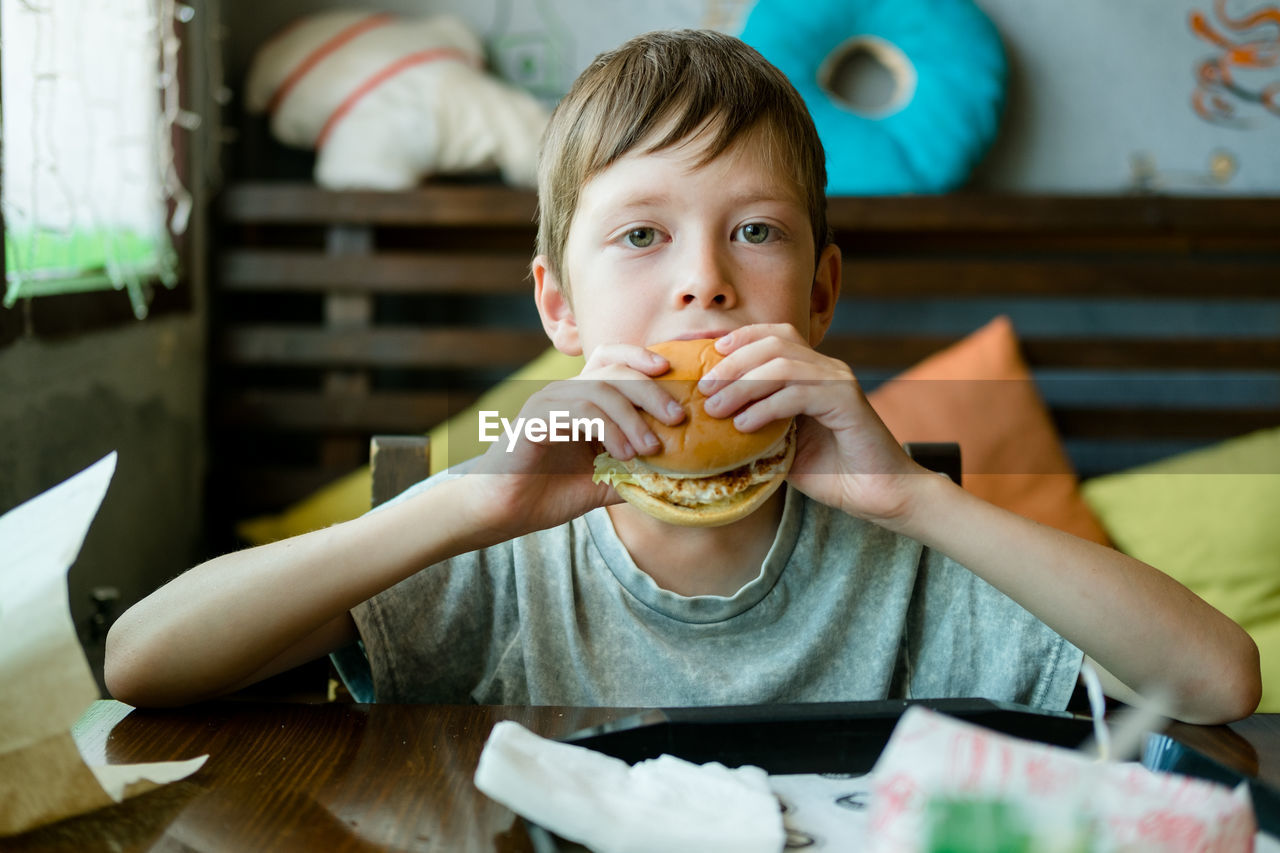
[[453, 441], [1208, 518]]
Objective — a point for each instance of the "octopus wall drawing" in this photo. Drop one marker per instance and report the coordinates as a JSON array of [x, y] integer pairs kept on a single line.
[[1248, 46]]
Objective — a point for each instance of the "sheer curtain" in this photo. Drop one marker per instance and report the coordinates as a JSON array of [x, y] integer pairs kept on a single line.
[[91, 193]]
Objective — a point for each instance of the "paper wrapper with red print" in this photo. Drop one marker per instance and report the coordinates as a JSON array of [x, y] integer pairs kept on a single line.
[[1058, 793]]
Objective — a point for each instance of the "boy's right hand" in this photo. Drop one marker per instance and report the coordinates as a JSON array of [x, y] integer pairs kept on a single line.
[[540, 484]]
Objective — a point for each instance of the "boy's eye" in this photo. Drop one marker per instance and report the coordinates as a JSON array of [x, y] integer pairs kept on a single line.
[[755, 232], [641, 238]]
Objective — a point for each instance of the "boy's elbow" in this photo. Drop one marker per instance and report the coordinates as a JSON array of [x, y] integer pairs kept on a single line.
[[1246, 690], [1234, 690], [121, 688], [127, 674], [119, 672], [1233, 705]]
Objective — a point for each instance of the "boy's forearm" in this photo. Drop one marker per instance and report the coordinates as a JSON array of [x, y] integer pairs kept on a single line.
[[207, 631], [1148, 630]]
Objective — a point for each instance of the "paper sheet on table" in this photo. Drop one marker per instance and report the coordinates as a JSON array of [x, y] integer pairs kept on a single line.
[[45, 681]]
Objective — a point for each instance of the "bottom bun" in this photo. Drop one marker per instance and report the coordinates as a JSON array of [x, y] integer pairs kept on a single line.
[[726, 511], [707, 515]]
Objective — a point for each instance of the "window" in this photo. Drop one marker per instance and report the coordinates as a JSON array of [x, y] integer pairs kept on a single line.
[[91, 192]]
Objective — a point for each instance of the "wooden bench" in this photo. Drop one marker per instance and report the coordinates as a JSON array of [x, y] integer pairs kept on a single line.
[[1152, 323]]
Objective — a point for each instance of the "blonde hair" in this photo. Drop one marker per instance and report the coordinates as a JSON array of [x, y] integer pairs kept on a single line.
[[657, 90]]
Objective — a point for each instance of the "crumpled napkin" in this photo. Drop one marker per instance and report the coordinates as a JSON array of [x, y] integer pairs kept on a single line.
[[662, 804], [47, 683]]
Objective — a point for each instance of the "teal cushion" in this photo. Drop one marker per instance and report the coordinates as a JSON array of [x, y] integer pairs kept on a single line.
[[944, 123]]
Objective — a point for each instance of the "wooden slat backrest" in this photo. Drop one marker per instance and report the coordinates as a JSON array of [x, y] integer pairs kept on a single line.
[[432, 304]]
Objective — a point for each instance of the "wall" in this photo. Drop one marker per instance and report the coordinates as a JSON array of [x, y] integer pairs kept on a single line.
[[137, 389], [1093, 82]]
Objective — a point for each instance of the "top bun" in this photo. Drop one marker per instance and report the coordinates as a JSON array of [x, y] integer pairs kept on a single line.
[[701, 445]]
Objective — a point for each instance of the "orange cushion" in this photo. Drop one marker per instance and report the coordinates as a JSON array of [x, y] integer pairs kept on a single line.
[[980, 393]]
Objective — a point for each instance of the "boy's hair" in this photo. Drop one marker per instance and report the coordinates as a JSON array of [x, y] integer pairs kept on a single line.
[[659, 89]]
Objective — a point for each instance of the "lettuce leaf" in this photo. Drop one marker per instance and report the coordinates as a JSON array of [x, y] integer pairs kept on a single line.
[[610, 470]]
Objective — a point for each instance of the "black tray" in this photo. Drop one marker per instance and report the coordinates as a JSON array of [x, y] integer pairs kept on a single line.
[[847, 737]]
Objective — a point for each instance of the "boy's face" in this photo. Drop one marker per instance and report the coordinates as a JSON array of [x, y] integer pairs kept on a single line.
[[660, 248]]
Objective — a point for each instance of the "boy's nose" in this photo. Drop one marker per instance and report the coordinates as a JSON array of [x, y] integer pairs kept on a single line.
[[706, 282]]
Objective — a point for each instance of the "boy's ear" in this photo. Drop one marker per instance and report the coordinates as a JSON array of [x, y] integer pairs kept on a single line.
[[554, 308], [824, 293]]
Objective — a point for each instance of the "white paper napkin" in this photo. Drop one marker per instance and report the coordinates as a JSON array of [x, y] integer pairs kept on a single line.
[[47, 683], [665, 804]]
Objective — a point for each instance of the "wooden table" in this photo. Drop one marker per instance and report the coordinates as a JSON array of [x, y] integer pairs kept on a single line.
[[369, 777]]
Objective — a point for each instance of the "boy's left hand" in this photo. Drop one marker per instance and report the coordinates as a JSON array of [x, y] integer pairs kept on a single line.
[[845, 456]]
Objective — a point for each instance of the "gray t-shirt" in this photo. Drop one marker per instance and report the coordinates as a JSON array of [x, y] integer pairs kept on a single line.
[[841, 610]]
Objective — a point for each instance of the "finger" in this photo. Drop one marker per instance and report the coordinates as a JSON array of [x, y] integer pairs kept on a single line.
[[643, 392], [788, 402], [638, 358], [750, 354], [619, 413], [740, 337], [836, 402], [653, 397], [621, 408], [565, 402], [737, 394], [821, 382], [614, 438], [615, 441]]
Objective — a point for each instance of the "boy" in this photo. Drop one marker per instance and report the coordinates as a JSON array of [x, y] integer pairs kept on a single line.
[[682, 195]]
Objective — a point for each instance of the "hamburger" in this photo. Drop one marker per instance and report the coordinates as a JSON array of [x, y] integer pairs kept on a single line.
[[708, 472]]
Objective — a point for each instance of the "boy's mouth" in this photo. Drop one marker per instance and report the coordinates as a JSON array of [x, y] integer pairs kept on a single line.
[[694, 336]]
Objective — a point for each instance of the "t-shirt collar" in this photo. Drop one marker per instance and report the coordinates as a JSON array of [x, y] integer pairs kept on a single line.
[[698, 608]]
